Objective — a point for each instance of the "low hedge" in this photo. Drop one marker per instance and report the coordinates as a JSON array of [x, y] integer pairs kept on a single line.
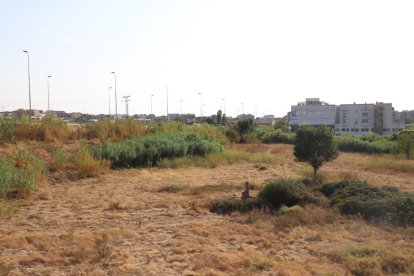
[[376, 204]]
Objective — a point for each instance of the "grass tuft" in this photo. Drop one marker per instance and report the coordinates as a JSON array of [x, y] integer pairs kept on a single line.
[[87, 165]]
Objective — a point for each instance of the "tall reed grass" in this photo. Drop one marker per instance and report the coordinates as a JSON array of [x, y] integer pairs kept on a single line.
[[48, 129], [22, 173], [150, 149], [108, 130]]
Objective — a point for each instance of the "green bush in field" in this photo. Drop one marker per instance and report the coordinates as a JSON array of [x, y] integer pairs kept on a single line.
[[377, 204], [285, 191], [232, 134], [405, 140], [7, 129], [150, 149], [228, 206], [275, 194], [22, 174], [269, 135], [367, 143]]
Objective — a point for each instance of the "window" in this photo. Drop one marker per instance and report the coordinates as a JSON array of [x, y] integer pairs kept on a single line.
[[364, 121]]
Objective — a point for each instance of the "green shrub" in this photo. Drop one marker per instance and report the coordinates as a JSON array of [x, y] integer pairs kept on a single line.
[[7, 129], [288, 192], [232, 135], [59, 159], [376, 204], [270, 135], [228, 206], [277, 194], [368, 143], [151, 149], [7, 175], [22, 174]]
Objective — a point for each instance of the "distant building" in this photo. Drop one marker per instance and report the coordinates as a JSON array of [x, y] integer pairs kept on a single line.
[[20, 113], [265, 121], [347, 118], [245, 116], [312, 112], [406, 116]]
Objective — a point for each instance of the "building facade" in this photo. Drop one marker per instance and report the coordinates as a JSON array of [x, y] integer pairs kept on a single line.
[[312, 112], [347, 118]]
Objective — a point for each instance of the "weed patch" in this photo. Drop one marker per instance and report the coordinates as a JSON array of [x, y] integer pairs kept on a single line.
[[88, 166], [172, 188], [371, 259], [21, 174]]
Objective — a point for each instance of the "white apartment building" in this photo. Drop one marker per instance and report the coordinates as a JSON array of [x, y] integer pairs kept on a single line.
[[312, 112], [347, 118]]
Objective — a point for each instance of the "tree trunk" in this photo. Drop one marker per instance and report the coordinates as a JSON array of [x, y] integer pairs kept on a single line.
[[315, 171]]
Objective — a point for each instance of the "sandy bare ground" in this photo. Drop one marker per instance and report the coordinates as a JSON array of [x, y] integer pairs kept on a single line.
[[56, 230]]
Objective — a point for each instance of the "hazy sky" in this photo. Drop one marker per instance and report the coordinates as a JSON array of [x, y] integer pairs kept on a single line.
[[266, 54]]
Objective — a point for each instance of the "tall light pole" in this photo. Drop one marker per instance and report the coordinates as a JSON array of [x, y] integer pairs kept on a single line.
[[181, 101], [201, 104], [152, 95], [166, 86], [48, 99], [243, 107], [126, 100], [30, 95], [224, 106], [109, 105], [116, 102]]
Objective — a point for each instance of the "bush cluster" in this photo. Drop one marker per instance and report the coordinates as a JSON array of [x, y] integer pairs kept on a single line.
[[270, 135], [152, 148], [376, 204], [284, 191], [277, 193], [368, 143]]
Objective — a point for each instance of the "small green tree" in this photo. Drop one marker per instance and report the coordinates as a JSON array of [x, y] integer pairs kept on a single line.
[[244, 127], [405, 142], [219, 117], [315, 145]]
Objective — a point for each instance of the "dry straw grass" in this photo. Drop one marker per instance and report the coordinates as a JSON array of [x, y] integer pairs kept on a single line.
[[86, 165]]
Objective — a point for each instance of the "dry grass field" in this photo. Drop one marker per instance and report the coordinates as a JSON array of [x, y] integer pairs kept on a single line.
[[156, 221]]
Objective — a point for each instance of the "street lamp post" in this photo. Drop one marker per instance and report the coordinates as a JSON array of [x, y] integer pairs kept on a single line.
[[116, 102], [109, 100], [166, 86], [152, 95], [201, 104], [48, 99], [30, 95], [181, 101], [224, 106], [243, 107]]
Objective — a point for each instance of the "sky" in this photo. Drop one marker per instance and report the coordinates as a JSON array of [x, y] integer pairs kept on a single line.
[[261, 55]]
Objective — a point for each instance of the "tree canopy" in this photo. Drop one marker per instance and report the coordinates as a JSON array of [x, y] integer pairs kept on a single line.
[[315, 145]]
